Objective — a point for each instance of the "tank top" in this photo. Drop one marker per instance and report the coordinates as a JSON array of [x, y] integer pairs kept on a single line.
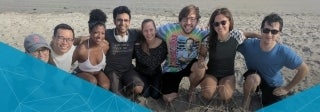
[[86, 66]]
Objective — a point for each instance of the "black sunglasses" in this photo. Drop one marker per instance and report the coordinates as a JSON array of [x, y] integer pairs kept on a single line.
[[273, 32], [216, 24]]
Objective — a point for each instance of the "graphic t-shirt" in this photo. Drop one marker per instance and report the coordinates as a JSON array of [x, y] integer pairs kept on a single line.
[[182, 49], [119, 56]]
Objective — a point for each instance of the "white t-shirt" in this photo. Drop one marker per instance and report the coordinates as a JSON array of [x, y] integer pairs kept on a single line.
[[64, 61]]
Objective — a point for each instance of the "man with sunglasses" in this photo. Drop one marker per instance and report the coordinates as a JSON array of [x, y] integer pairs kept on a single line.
[[265, 58]]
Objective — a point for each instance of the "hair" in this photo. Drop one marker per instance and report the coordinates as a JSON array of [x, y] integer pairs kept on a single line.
[[97, 18], [50, 61], [62, 26], [120, 10], [144, 45], [213, 35], [185, 11], [271, 18]]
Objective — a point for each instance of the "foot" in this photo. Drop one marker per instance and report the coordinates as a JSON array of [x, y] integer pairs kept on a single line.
[[170, 97], [141, 100], [246, 103], [191, 96]]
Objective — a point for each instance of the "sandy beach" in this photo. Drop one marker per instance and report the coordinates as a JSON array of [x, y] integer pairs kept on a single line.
[[301, 31]]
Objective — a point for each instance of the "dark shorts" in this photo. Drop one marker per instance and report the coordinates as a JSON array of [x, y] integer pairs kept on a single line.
[[151, 85], [171, 80], [267, 96], [123, 82]]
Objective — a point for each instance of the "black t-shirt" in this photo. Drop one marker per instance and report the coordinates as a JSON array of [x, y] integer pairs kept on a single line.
[[119, 56]]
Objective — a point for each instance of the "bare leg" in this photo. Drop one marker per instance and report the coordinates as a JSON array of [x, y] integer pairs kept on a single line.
[[226, 87], [208, 86], [196, 76], [103, 80], [87, 76], [249, 86]]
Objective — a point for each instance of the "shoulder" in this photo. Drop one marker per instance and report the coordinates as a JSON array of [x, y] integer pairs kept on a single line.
[[285, 49], [169, 27]]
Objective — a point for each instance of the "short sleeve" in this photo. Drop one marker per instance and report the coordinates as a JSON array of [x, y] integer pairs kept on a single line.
[[238, 35]]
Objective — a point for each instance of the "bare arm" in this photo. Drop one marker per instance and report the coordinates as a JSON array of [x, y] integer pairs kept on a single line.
[[252, 35], [202, 56], [75, 55], [78, 40], [302, 72]]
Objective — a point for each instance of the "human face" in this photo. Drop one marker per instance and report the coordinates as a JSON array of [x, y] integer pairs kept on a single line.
[[122, 23], [98, 33], [63, 41], [189, 44], [42, 54], [269, 38], [149, 31], [189, 23], [221, 25]]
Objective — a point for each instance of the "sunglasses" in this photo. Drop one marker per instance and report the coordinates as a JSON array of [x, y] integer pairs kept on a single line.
[[216, 24], [273, 32]]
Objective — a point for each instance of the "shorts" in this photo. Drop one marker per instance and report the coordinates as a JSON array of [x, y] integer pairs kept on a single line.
[[171, 80], [267, 91], [123, 83]]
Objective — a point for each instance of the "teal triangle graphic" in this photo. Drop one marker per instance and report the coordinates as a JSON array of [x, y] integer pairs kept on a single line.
[[30, 85]]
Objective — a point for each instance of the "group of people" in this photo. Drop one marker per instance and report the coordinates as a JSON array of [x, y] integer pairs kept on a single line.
[[165, 54]]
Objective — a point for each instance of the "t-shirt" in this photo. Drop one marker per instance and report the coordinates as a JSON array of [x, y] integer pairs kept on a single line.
[[177, 59], [64, 61], [119, 56], [269, 64], [221, 62]]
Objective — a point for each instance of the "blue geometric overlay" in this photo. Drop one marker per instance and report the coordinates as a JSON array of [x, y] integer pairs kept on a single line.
[[306, 101], [29, 85]]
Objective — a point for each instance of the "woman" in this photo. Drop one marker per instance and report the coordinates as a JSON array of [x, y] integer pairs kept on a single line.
[[37, 46], [90, 54], [221, 45], [150, 53]]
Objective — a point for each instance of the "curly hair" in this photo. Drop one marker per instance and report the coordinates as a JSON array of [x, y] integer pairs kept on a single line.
[[97, 17]]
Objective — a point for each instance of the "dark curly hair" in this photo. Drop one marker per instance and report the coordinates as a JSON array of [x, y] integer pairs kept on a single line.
[[121, 9], [97, 17]]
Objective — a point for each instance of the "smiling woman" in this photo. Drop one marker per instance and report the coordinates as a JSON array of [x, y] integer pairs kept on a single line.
[[37, 46], [91, 53]]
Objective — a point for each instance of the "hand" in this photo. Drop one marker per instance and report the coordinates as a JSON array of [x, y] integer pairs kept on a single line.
[[202, 64], [280, 91]]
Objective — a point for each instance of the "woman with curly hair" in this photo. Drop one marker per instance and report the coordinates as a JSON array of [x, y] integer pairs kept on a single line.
[[91, 53]]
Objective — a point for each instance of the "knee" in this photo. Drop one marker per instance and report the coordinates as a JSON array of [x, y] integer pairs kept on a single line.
[[252, 80], [138, 89], [92, 80], [105, 85], [207, 94], [225, 93]]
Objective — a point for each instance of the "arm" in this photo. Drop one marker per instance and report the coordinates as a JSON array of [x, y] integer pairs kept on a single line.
[[252, 35], [203, 54], [302, 72], [77, 41]]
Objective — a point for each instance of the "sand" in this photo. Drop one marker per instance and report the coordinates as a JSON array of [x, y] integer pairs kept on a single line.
[[301, 31]]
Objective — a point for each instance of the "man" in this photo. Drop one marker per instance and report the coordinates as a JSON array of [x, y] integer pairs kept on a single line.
[[62, 47], [176, 36], [123, 78], [264, 59]]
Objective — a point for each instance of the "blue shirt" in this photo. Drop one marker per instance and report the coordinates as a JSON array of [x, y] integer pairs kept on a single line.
[[269, 64]]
